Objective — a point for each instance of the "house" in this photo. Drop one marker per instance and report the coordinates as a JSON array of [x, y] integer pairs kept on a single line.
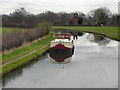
[[77, 20]]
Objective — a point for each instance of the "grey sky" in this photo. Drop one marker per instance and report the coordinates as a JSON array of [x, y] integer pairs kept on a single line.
[[38, 6]]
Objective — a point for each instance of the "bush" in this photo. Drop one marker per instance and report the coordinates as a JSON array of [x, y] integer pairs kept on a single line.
[[32, 34], [44, 27], [12, 39]]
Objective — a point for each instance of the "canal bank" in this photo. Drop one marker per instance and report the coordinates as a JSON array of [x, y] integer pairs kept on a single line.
[[39, 49]]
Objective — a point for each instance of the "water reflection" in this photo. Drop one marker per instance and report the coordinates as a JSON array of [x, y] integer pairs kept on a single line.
[[12, 76], [15, 74], [75, 34], [102, 41], [61, 56]]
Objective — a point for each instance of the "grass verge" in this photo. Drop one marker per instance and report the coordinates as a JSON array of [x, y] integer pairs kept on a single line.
[[110, 32]]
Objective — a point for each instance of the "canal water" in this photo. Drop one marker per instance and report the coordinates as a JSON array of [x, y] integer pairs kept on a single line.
[[93, 65]]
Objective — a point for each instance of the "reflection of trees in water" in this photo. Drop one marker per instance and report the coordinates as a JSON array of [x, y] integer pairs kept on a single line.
[[102, 41], [75, 34], [17, 73], [10, 77], [80, 33]]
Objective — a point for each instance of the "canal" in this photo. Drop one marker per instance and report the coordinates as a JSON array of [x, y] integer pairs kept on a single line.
[[93, 65]]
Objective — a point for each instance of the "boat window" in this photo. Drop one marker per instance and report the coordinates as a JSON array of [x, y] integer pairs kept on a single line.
[[59, 36], [67, 36], [63, 36]]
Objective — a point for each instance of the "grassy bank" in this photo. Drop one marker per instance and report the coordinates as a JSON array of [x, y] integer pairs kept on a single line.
[[111, 32], [23, 51]]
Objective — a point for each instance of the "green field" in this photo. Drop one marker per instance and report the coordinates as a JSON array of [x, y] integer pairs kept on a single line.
[[8, 29], [111, 32]]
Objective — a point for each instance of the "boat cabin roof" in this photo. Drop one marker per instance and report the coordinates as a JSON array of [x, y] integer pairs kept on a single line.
[[63, 36]]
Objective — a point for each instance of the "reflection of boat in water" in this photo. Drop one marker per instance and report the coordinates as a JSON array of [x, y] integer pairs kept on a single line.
[[61, 49]]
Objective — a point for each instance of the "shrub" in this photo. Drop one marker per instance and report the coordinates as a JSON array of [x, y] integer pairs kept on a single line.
[[12, 39], [44, 27]]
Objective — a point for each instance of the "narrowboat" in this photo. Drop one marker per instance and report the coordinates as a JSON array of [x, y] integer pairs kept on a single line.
[[61, 49]]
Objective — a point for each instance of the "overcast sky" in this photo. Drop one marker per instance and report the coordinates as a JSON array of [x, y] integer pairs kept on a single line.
[[38, 6]]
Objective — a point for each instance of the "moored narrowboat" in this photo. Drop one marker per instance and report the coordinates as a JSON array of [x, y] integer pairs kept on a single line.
[[61, 49]]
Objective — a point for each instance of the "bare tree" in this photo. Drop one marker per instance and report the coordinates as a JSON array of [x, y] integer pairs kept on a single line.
[[100, 15]]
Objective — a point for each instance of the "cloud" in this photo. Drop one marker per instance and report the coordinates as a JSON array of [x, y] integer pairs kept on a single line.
[[38, 6]]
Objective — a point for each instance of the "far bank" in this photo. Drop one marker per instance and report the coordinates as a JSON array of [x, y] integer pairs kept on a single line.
[[110, 32]]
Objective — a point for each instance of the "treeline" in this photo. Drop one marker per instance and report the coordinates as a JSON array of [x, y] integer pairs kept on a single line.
[[16, 38], [23, 19]]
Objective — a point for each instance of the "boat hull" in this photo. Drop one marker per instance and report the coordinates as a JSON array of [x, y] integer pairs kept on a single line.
[[60, 54], [67, 60]]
